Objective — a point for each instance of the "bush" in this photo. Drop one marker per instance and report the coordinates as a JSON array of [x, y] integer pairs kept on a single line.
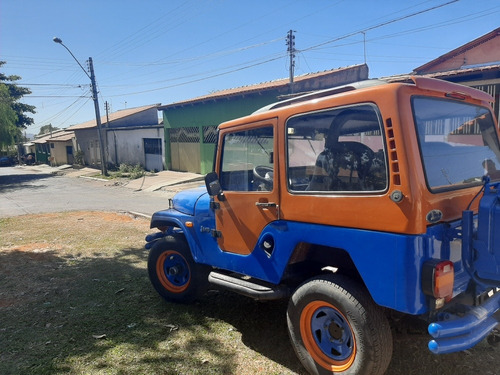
[[79, 158], [125, 168], [133, 172], [137, 171]]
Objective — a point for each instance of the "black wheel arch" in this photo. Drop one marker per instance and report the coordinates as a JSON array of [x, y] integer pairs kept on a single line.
[[309, 260], [163, 223]]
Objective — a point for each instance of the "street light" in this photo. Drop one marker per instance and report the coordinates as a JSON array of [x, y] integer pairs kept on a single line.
[[96, 103]]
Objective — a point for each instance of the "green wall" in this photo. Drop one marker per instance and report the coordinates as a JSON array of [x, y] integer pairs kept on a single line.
[[211, 113]]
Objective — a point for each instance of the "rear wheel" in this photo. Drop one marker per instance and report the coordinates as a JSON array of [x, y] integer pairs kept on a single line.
[[336, 328], [173, 272]]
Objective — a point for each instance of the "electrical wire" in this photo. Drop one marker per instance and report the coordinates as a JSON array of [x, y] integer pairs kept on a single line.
[[379, 25], [156, 28], [200, 79]]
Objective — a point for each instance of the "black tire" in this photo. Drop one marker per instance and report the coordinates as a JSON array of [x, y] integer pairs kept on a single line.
[[173, 272], [336, 328]]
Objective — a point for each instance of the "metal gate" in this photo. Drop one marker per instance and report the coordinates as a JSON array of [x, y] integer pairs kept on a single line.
[[185, 149]]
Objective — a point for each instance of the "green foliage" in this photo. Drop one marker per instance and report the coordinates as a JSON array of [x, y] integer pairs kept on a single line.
[[8, 119], [16, 93], [79, 157], [47, 129], [131, 171]]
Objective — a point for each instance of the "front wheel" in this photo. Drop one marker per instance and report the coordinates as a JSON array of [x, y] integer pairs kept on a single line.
[[336, 328], [173, 272]]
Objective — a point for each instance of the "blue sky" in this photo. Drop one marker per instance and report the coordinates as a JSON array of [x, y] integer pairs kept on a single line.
[[158, 51]]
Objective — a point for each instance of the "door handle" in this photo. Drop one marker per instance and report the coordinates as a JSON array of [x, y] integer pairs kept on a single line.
[[269, 205], [266, 204]]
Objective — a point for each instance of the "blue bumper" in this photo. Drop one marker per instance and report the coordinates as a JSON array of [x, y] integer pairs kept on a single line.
[[461, 333]]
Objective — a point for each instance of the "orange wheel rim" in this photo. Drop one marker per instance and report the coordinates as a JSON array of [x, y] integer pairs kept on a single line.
[[173, 271], [328, 336]]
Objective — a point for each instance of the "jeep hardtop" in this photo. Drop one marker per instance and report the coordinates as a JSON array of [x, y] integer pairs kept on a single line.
[[350, 202]]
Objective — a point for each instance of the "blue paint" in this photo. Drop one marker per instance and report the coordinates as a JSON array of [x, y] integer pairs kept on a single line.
[[390, 264]]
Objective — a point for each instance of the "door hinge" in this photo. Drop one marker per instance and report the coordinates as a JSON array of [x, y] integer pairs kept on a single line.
[[215, 205], [213, 232], [216, 233]]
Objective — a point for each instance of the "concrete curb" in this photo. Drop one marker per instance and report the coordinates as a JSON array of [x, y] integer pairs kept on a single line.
[[138, 214]]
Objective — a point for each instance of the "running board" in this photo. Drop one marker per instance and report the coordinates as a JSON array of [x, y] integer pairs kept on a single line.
[[256, 289]]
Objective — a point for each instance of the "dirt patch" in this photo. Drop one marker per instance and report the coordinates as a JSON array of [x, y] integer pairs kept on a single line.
[[63, 232], [34, 248]]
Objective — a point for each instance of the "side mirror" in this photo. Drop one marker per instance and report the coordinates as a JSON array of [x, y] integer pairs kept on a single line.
[[213, 184]]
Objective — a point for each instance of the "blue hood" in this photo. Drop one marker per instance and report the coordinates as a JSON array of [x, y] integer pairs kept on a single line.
[[185, 201]]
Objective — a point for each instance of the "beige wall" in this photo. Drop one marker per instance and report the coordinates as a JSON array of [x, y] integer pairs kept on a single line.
[[58, 154]]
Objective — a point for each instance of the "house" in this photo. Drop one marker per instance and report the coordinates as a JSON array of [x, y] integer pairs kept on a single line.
[[475, 64], [130, 136], [191, 125], [55, 148]]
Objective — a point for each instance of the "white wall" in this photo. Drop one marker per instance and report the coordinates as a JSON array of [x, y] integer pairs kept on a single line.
[[126, 145], [87, 141]]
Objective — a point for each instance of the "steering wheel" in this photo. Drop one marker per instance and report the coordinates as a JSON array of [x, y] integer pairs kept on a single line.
[[263, 177], [363, 154]]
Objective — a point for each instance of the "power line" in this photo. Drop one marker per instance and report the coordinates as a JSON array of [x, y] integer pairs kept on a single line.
[[379, 25], [60, 113], [314, 47], [58, 96], [196, 58], [419, 59], [198, 80], [53, 84]]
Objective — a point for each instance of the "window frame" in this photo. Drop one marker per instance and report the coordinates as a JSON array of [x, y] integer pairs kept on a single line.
[[225, 174], [383, 150], [425, 165]]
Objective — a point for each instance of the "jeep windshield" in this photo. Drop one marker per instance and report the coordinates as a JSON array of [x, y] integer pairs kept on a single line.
[[458, 142]]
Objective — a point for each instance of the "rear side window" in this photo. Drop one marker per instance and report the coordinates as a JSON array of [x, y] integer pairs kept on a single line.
[[458, 143], [337, 150]]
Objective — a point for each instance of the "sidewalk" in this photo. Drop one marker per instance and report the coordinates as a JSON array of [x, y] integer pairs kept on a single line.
[[164, 180], [150, 182]]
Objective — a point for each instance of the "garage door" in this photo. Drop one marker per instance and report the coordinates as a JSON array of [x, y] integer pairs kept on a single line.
[[185, 149]]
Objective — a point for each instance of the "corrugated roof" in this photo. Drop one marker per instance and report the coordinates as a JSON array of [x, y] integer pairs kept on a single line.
[[112, 117], [459, 50], [255, 88], [57, 136], [445, 74]]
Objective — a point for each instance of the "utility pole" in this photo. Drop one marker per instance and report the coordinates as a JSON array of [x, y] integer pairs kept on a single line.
[[104, 170], [290, 42], [364, 44], [106, 107], [96, 103]]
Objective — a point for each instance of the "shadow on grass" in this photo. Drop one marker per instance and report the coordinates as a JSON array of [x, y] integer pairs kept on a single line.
[[262, 325], [263, 328], [100, 314], [68, 315]]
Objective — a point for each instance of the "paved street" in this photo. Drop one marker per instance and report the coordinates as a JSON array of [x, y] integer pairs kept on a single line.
[[31, 190]]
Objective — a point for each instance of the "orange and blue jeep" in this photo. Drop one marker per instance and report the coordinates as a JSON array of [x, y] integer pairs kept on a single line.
[[350, 202]]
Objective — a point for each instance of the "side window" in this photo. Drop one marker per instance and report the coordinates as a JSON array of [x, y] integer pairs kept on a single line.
[[339, 150], [247, 160]]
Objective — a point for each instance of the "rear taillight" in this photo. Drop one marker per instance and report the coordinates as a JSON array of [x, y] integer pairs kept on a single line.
[[444, 276], [438, 277]]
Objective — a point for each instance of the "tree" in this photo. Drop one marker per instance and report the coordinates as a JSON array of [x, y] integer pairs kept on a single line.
[[16, 93], [8, 118], [47, 129]]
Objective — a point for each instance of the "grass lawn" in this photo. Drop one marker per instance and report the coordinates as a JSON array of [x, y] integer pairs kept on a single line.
[[75, 298]]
